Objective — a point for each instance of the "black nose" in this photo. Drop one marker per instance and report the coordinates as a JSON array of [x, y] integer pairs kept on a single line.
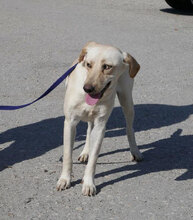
[[88, 88]]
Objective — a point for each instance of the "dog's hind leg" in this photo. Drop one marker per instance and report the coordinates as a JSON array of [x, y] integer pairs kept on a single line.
[[85, 152], [124, 93]]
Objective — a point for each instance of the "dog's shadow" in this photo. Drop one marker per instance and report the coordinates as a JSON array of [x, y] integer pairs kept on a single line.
[[30, 141], [172, 153]]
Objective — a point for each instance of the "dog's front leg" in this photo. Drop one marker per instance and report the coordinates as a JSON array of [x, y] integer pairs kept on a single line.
[[69, 135], [97, 135]]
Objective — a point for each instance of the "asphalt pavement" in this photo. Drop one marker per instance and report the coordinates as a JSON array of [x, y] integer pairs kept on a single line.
[[38, 41]]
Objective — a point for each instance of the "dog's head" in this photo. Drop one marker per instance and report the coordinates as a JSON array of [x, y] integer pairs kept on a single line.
[[104, 65]]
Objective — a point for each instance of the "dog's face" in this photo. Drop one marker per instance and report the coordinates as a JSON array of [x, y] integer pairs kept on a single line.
[[104, 65]]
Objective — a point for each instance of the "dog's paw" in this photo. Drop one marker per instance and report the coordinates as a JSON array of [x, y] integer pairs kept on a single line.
[[88, 190], [83, 158], [137, 156], [63, 183]]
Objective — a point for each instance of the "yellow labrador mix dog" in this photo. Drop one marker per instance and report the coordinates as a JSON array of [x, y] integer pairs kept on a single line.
[[102, 72]]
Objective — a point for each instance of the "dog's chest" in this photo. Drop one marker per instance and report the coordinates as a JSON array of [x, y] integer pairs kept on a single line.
[[88, 113]]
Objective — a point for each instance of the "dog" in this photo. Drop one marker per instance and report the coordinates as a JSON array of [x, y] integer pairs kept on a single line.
[[102, 72]]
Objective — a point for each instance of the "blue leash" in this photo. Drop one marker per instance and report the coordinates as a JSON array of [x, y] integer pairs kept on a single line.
[[52, 87]]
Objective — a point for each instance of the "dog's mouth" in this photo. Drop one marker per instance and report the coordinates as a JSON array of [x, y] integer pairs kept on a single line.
[[92, 99]]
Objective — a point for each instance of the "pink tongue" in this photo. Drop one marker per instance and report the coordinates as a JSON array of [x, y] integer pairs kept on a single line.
[[92, 100]]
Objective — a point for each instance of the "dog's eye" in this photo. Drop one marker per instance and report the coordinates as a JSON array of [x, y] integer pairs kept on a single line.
[[107, 67], [89, 65]]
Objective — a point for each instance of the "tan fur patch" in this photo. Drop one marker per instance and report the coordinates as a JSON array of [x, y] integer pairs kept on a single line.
[[84, 50], [133, 65], [82, 55]]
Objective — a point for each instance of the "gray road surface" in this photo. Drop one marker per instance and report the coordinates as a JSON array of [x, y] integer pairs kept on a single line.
[[38, 41]]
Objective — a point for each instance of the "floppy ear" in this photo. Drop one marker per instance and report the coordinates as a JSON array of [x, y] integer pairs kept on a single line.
[[85, 50], [133, 64], [82, 54]]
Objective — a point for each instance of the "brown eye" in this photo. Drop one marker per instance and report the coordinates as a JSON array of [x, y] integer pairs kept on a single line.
[[88, 65], [107, 67]]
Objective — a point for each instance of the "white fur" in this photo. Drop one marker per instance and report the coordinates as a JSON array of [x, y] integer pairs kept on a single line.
[[76, 109]]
